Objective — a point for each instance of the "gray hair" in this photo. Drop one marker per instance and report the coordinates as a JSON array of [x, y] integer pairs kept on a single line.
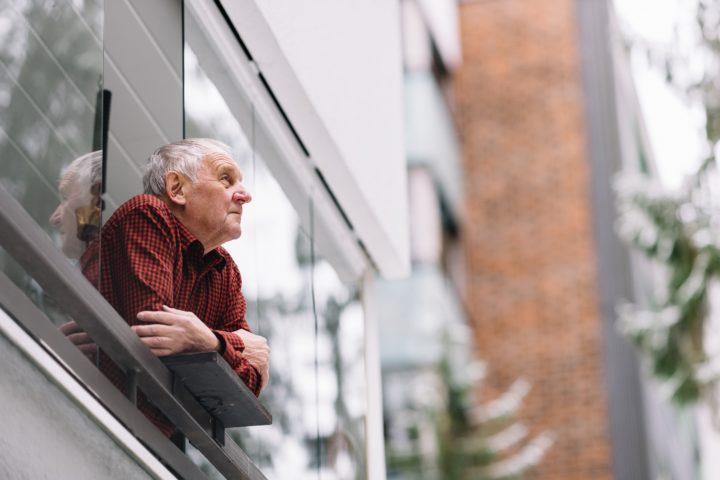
[[183, 156], [86, 170]]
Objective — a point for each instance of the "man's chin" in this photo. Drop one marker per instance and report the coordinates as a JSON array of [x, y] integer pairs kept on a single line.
[[236, 233]]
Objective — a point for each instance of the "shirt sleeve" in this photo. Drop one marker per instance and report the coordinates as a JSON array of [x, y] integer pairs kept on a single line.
[[140, 256], [235, 319]]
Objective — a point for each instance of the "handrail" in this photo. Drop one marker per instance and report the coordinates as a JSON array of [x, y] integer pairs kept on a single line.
[[30, 246]]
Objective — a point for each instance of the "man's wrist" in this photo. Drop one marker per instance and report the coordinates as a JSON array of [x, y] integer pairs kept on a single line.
[[219, 344]]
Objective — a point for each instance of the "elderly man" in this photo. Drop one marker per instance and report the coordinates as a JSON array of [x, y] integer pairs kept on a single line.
[[163, 268]]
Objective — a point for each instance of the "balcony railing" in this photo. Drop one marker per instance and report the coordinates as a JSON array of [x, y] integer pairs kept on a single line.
[[30, 246]]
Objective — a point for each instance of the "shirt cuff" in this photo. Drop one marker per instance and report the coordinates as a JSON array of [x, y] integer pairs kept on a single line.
[[221, 341], [231, 345]]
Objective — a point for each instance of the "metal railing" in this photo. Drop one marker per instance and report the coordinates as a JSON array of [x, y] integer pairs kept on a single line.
[[31, 247]]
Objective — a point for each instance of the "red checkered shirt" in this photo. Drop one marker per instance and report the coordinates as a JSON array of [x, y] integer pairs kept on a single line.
[[149, 259]]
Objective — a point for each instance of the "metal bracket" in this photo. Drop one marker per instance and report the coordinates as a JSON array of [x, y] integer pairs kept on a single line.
[[131, 382], [218, 431], [177, 384]]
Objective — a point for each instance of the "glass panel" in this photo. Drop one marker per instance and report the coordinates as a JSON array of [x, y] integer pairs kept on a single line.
[[50, 125], [143, 58], [313, 322], [58, 60], [50, 75], [342, 398], [273, 255]]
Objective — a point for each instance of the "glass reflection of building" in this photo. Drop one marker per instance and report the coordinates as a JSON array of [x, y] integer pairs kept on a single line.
[[88, 89]]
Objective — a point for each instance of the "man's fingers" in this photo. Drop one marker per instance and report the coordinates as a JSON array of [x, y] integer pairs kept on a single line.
[[160, 346], [156, 342], [162, 352], [70, 327], [80, 338], [176, 311], [153, 330], [166, 318], [88, 349], [264, 378]]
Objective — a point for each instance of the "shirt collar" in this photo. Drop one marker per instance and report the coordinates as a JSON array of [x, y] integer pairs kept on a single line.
[[195, 250]]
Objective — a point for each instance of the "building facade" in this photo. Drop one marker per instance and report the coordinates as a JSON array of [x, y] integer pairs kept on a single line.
[[422, 324], [297, 93], [532, 289]]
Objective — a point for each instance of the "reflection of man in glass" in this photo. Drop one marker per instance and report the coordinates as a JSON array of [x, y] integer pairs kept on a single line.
[[164, 271], [77, 217]]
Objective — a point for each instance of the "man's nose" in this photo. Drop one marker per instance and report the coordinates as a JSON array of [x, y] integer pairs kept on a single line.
[[56, 217], [242, 196]]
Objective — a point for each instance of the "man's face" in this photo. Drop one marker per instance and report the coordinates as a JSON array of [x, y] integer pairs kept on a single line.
[[73, 196], [215, 201]]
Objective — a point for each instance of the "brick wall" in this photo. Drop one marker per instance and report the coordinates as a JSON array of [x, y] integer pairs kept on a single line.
[[531, 279]]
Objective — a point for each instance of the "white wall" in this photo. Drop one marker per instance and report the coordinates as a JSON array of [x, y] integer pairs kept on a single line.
[[335, 67]]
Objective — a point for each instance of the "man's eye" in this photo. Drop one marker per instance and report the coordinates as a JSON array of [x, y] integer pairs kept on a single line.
[[225, 178]]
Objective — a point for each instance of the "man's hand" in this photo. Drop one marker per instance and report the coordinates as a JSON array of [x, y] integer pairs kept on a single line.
[[174, 331], [257, 353], [80, 339]]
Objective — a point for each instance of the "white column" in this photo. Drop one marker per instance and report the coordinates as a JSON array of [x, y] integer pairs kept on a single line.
[[374, 438]]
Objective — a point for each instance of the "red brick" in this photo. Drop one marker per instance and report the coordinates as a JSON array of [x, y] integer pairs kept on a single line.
[[531, 288]]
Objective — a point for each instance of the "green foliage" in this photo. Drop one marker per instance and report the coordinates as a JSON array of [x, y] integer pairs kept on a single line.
[[462, 445], [677, 234]]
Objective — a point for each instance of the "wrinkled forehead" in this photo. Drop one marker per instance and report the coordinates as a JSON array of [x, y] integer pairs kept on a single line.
[[70, 187], [218, 160], [218, 157], [69, 183]]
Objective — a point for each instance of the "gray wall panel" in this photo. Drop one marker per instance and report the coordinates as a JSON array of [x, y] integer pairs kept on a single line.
[[143, 70], [46, 435], [154, 16], [629, 445], [124, 177], [149, 74]]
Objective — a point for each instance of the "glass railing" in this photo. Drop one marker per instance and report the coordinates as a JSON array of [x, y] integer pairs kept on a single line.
[[70, 159], [313, 322], [50, 76], [55, 64]]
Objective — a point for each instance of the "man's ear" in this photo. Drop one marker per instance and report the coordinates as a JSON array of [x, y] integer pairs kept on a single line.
[[175, 187]]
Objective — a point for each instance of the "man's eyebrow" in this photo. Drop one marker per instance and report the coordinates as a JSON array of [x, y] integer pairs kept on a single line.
[[231, 168]]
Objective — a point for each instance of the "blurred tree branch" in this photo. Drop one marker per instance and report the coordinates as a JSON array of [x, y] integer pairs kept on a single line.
[[679, 232]]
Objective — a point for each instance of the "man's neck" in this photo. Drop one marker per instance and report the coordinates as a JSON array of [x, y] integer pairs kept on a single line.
[[179, 212]]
